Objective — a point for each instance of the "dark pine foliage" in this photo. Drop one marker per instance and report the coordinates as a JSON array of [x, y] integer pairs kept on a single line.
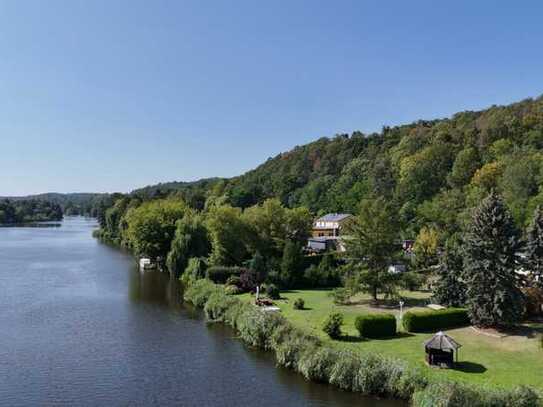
[[450, 288], [534, 248], [491, 258]]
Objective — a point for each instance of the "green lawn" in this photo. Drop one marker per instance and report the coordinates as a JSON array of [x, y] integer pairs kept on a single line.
[[506, 361]]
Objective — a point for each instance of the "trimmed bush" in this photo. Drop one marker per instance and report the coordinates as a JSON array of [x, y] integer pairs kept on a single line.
[[220, 274], [429, 320], [299, 303], [332, 325], [366, 373], [376, 325], [273, 292]]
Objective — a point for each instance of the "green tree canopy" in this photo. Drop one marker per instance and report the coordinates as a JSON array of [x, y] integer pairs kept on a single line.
[[191, 240], [492, 247], [151, 226], [371, 241]]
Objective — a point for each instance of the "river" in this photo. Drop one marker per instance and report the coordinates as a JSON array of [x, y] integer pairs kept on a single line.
[[81, 326]]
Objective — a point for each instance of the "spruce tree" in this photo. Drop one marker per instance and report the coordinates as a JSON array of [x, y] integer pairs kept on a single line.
[[492, 245], [534, 248], [450, 288], [291, 265]]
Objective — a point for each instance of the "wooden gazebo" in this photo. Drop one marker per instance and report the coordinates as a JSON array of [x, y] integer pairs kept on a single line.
[[441, 350]]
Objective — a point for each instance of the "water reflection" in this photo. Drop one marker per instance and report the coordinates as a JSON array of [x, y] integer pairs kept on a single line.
[[163, 289]]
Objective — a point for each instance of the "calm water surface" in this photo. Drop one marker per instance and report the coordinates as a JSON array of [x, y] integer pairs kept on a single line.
[[81, 326]]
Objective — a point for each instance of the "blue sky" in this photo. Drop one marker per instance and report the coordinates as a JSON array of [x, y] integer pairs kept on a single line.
[[114, 95]]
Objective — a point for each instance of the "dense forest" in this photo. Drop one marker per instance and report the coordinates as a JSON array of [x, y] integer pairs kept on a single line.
[[31, 210], [428, 175], [433, 172], [72, 204], [467, 190]]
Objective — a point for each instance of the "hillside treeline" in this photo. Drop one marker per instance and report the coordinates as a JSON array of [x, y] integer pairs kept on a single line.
[[433, 172], [33, 210]]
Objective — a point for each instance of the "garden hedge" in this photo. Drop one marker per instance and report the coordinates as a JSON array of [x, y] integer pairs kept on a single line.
[[376, 325], [364, 372], [220, 274], [430, 320]]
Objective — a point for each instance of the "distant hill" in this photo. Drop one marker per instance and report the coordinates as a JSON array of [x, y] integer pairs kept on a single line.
[[78, 203], [433, 171]]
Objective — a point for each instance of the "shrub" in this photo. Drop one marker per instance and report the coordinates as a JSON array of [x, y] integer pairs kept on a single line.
[[248, 279], [217, 305], [523, 396], [299, 303], [403, 381], [219, 274], [412, 280], [425, 321], [236, 312], [332, 325], [195, 270], [325, 274], [376, 325], [233, 280], [367, 373], [199, 291], [288, 351], [372, 374], [344, 371], [273, 292], [443, 395], [232, 290], [317, 364], [256, 327], [341, 295]]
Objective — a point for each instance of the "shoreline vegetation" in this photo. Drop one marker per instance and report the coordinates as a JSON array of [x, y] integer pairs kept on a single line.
[[28, 212], [367, 373], [453, 207]]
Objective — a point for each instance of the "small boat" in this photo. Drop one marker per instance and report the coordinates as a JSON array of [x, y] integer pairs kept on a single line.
[[145, 264]]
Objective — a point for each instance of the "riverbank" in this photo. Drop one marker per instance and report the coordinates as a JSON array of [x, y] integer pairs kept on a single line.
[[84, 327], [504, 362], [367, 373]]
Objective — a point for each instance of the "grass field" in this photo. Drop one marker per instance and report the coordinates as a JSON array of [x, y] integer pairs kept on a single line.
[[503, 361]]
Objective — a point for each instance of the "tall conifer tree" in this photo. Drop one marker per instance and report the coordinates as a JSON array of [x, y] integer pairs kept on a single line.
[[492, 245], [450, 288], [534, 248]]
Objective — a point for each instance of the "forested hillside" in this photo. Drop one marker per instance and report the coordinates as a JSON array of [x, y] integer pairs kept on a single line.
[[430, 175], [83, 203], [32, 210], [432, 171]]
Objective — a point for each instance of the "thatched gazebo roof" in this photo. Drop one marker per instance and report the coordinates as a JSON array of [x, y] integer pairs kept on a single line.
[[442, 341]]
